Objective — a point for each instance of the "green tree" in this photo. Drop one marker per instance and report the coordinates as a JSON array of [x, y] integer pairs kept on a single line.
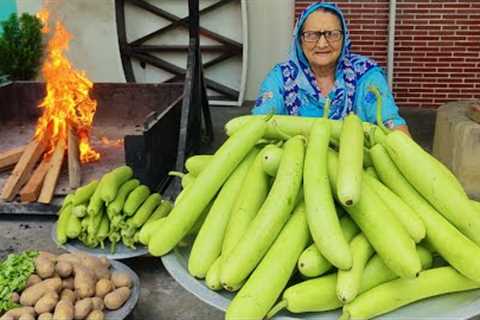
[[21, 47]]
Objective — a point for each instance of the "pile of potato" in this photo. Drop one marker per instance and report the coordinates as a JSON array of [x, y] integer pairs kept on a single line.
[[70, 286]]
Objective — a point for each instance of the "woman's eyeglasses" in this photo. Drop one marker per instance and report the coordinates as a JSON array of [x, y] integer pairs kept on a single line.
[[314, 36]]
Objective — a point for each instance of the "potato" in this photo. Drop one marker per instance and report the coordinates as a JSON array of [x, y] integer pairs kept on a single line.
[[26, 316], [56, 275], [116, 298], [45, 316], [54, 284], [44, 267], [47, 255], [106, 263], [15, 297], [33, 279], [83, 308], [32, 294], [18, 312], [68, 295], [63, 311], [70, 257], [97, 265], [64, 269], [96, 315], [68, 283], [94, 264], [121, 279], [7, 317], [103, 287], [98, 303], [46, 303], [84, 282]]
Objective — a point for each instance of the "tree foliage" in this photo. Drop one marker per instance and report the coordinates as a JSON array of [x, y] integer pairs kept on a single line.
[[21, 47]]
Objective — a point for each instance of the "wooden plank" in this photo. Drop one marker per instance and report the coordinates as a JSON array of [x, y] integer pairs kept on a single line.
[[31, 190], [7, 168], [74, 173], [23, 169], [10, 157], [55, 165]]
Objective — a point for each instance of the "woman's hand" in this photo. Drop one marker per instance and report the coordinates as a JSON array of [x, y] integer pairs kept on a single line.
[[404, 129]]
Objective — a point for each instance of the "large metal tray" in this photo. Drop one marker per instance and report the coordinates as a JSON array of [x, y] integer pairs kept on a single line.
[[121, 252], [129, 305], [462, 305]]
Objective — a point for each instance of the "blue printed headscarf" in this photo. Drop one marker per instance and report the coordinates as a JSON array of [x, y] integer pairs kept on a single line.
[[350, 67]]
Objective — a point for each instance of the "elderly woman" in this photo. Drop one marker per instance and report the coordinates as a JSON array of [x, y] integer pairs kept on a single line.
[[321, 67]]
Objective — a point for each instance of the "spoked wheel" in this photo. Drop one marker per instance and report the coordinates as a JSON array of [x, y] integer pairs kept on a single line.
[[153, 40]]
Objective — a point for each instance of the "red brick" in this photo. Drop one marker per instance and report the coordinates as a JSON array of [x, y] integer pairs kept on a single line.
[[404, 5], [404, 79], [404, 27], [409, 11], [372, 37], [434, 85], [468, 54], [459, 96], [470, 59], [442, 55], [427, 27], [452, 49], [429, 5], [421, 91], [453, 16], [465, 65], [454, 38], [425, 38], [464, 74], [456, 6], [428, 79]]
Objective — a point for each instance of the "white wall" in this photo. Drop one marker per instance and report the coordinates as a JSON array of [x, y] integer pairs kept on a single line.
[[94, 47], [270, 29]]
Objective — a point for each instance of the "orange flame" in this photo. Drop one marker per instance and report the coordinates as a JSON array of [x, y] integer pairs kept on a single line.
[[67, 102], [43, 16]]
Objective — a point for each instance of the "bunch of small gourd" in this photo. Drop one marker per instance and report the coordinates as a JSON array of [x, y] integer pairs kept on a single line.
[[116, 208]]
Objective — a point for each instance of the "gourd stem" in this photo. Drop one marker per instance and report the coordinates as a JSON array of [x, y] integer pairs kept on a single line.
[[326, 108], [376, 92], [176, 174], [277, 308]]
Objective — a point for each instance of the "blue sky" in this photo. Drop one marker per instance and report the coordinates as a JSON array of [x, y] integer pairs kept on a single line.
[[7, 7]]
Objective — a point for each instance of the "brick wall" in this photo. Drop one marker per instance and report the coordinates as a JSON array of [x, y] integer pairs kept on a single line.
[[437, 46]]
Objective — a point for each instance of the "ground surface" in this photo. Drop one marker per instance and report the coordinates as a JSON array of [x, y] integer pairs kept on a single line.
[[161, 297]]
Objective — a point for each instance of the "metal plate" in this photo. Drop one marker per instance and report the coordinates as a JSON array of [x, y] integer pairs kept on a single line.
[[462, 305], [121, 252], [125, 310]]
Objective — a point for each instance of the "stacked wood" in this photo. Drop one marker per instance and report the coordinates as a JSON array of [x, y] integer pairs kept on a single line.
[[35, 175], [74, 175], [23, 169], [9, 158], [55, 164], [31, 190]]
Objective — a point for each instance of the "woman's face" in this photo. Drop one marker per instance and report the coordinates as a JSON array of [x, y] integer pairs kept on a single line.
[[323, 52]]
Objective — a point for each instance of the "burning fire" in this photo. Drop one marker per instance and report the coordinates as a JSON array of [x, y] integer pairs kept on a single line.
[[67, 103]]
